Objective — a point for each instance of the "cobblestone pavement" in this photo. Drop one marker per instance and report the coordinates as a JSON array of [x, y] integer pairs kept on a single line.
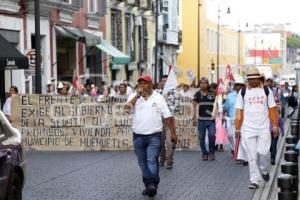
[[115, 175]]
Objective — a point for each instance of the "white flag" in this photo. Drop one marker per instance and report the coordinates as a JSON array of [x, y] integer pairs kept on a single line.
[[171, 82]]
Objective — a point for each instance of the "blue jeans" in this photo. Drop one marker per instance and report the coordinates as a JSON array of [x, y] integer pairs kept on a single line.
[[210, 126], [273, 148], [147, 149]]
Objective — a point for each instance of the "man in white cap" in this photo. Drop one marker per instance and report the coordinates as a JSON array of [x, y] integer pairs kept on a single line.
[[49, 88], [256, 107]]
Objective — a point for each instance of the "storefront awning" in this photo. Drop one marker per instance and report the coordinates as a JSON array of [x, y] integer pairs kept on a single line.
[[78, 34], [118, 57], [10, 57]]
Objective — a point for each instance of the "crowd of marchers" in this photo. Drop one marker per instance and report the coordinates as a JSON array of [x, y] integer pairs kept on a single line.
[[246, 115]]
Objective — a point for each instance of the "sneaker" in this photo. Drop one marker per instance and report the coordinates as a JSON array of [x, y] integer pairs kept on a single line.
[[245, 163], [145, 192], [152, 190], [266, 177], [253, 186], [169, 166], [272, 161], [161, 163], [238, 162], [211, 157], [204, 157]]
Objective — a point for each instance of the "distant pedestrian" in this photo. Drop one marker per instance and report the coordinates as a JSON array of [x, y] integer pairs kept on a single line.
[[122, 90], [285, 93], [206, 122], [49, 88], [148, 107], [13, 90], [256, 107], [229, 109], [186, 92], [273, 149], [106, 93], [62, 90]]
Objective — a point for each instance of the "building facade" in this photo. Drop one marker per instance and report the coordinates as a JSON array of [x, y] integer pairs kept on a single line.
[[131, 29], [266, 44], [199, 51], [70, 32]]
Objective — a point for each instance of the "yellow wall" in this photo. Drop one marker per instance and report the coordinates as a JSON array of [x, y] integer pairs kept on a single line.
[[187, 56]]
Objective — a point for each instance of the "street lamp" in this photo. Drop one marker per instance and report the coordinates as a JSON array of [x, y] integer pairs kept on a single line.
[[156, 41], [198, 41], [218, 40], [38, 73]]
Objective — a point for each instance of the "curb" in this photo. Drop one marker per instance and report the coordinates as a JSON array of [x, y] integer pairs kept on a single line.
[[264, 192]]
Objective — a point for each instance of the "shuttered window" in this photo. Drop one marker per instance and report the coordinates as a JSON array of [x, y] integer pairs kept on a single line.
[[116, 29]]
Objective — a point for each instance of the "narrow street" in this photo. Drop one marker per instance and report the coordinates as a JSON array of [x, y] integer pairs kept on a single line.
[[115, 175]]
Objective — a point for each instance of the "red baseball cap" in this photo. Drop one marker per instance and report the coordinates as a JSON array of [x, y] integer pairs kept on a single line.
[[145, 77]]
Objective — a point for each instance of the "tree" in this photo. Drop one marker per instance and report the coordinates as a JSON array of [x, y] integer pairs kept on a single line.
[[293, 42]]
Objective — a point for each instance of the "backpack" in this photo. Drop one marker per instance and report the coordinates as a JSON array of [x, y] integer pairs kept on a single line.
[[266, 90], [292, 101]]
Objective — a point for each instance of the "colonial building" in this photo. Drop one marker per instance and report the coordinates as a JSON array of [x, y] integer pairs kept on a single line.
[[71, 33], [169, 35], [200, 48], [130, 28], [266, 44]]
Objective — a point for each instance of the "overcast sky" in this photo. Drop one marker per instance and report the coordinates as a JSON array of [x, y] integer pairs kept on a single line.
[[256, 12]]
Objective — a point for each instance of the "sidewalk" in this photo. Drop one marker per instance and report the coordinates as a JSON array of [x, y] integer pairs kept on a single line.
[[269, 191]]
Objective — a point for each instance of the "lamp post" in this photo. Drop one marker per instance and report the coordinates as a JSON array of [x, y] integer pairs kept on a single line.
[[218, 39], [38, 73], [198, 41], [156, 41]]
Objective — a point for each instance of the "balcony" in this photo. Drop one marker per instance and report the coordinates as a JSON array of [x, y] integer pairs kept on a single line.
[[170, 37]]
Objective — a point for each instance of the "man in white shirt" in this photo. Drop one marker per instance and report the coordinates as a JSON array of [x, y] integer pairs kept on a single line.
[[148, 107], [7, 106], [256, 108]]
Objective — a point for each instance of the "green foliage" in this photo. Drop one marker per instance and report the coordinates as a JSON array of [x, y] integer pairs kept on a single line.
[[293, 42]]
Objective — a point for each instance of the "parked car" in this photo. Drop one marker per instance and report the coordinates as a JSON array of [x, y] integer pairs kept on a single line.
[[12, 161]]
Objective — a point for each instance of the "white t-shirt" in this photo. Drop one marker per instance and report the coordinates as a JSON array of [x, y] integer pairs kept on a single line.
[[147, 114], [6, 107], [186, 94], [256, 109]]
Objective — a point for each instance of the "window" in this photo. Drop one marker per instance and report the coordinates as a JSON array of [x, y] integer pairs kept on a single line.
[[128, 33], [116, 29], [94, 65], [92, 5]]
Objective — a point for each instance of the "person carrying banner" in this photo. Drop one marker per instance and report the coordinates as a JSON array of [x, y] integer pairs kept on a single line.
[[255, 111], [171, 96], [148, 107]]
